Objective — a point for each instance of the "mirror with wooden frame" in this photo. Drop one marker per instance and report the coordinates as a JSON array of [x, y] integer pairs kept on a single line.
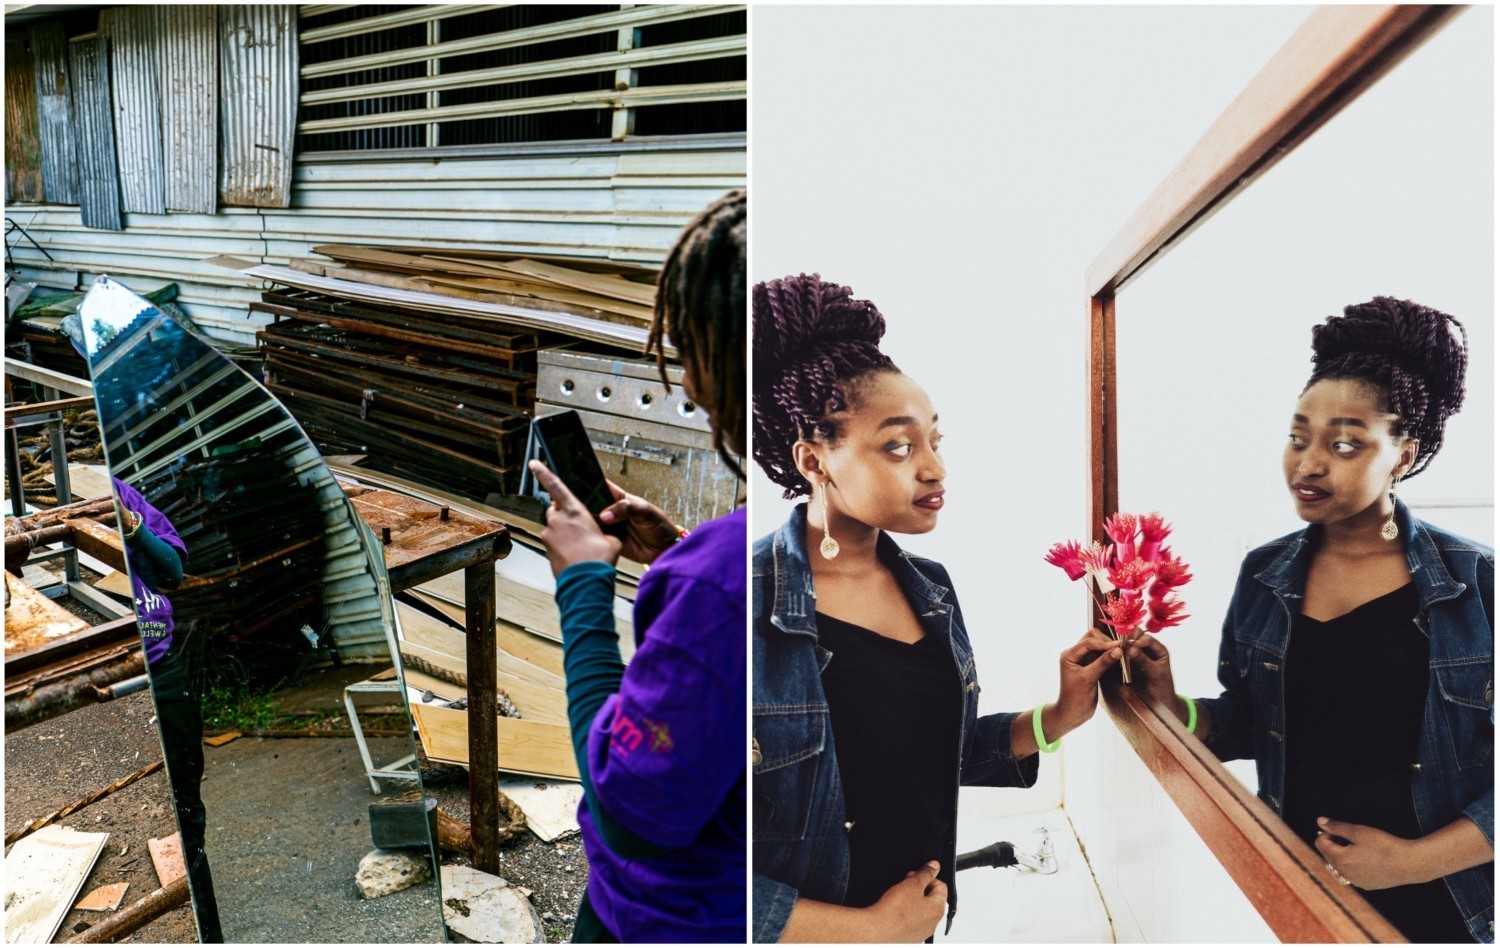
[[261, 598], [1170, 433]]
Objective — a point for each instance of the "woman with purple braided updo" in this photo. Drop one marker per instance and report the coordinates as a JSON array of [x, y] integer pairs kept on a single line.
[[1358, 656], [865, 695]]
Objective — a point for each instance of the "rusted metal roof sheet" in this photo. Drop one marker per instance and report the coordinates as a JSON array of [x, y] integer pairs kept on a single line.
[[98, 172], [137, 110], [23, 153], [258, 80], [187, 37], [49, 49]]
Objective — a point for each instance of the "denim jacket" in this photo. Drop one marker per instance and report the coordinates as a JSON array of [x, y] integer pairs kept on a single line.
[[800, 847], [1454, 770]]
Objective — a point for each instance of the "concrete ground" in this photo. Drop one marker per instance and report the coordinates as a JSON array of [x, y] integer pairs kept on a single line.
[[288, 823]]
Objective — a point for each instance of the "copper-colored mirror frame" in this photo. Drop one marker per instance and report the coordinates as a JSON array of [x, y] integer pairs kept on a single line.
[[1337, 53]]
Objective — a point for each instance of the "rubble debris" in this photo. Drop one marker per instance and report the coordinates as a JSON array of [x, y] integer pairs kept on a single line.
[[488, 909], [43, 875], [79, 804], [136, 915], [166, 856], [550, 809], [382, 872], [103, 899]]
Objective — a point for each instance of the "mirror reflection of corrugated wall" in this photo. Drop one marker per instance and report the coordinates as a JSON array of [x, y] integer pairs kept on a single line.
[[260, 595]]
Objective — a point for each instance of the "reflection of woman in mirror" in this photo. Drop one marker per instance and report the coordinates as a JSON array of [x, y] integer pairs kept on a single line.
[[865, 694], [156, 555], [1357, 657], [660, 742]]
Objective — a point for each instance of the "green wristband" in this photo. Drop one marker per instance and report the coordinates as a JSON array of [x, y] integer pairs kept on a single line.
[[1036, 730], [1192, 721]]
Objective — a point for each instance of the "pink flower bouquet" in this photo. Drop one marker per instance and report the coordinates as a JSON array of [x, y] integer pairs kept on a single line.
[[1134, 579]]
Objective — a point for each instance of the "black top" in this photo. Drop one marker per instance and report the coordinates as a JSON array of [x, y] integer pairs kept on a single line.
[[897, 710], [1356, 695]]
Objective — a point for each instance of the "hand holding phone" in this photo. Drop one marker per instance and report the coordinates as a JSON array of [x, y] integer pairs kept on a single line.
[[572, 534], [564, 447]]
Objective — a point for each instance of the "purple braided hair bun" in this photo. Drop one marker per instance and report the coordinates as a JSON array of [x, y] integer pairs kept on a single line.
[[811, 340], [1405, 351]]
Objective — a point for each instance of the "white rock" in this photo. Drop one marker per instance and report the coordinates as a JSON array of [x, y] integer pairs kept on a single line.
[[382, 872], [487, 909]]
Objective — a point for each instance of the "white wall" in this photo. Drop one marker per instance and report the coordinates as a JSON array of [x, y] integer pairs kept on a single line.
[[962, 166]]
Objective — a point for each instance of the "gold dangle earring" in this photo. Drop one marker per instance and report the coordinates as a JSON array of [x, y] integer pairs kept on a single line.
[[829, 547], [1388, 530]]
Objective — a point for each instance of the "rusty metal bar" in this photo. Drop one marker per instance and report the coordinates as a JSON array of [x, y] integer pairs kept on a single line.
[[37, 703], [109, 634], [438, 556], [484, 752]]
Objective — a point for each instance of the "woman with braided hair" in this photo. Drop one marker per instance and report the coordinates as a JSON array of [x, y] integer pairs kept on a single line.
[[865, 695], [660, 743], [1358, 654]]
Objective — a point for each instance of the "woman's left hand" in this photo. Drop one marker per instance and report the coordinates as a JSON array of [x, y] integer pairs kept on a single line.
[[572, 535], [1081, 667], [1373, 859]]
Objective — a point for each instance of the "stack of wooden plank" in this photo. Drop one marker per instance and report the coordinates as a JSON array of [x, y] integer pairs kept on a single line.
[[424, 360], [421, 394], [598, 301]]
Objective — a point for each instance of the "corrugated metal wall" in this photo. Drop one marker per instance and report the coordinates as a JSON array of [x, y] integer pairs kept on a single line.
[[49, 48], [137, 108], [611, 201], [23, 180], [258, 103], [188, 71], [98, 171]]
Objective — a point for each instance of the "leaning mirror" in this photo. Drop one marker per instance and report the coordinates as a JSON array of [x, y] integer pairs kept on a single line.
[[1383, 201], [262, 599]]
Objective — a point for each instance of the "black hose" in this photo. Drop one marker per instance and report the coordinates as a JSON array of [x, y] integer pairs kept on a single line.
[[995, 856]]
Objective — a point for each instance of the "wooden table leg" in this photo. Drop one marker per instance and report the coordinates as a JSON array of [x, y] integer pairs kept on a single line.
[[484, 758]]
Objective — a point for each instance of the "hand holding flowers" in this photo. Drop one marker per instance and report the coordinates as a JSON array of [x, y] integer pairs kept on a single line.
[[1136, 575]]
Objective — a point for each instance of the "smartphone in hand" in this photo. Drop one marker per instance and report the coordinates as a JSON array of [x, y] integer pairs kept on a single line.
[[566, 450]]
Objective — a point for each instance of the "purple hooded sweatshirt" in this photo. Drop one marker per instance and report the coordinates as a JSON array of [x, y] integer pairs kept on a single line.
[[152, 610], [667, 753]]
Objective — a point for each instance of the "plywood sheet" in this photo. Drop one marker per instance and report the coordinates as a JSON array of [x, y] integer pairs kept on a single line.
[[526, 747], [546, 654], [87, 481], [43, 875], [536, 702], [31, 619]]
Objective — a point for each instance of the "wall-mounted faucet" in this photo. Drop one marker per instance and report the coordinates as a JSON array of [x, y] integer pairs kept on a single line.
[[1002, 854]]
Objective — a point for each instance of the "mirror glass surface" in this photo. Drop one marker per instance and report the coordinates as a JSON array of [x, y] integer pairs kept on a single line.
[[1393, 197], [260, 595]]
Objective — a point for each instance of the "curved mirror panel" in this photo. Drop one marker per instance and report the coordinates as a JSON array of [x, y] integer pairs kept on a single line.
[[262, 598]]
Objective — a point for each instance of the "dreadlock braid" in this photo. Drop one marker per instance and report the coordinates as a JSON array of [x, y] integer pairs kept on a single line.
[[1408, 354], [700, 306], [813, 344]]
